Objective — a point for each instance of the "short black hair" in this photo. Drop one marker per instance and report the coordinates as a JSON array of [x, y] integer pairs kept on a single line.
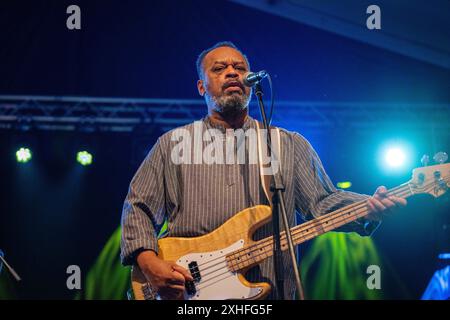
[[202, 55]]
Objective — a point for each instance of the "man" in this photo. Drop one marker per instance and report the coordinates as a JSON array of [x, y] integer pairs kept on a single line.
[[197, 198]]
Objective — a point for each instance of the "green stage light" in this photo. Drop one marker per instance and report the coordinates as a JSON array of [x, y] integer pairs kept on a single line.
[[344, 184], [84, 158], [23, 155]]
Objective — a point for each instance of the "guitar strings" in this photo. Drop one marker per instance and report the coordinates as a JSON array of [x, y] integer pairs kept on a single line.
[[305, 225], [298, 232], [307, 234], [269, 240], [327, 217], [229, 275], [267, 243], [267, 246]]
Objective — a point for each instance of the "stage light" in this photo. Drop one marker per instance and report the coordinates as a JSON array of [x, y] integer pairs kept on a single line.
[[84, 158], [23, 155], [395, 157], [344, 184], [444, 256]]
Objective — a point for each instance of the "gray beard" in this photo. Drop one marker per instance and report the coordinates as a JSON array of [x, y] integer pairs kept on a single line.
[[229, 104]]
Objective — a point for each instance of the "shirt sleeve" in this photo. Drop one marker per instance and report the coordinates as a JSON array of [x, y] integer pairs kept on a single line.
[[315, 194], [143, 207]]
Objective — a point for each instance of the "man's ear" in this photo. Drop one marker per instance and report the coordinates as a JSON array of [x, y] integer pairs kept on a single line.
[[201, 88]]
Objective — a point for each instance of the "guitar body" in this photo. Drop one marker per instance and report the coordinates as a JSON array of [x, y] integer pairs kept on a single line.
[[206, 254]]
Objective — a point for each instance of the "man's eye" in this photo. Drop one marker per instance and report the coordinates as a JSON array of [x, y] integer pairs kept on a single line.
[[216, 69], [241, 68]]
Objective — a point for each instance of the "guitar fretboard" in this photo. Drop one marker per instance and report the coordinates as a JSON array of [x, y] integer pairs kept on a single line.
[[257, 252]]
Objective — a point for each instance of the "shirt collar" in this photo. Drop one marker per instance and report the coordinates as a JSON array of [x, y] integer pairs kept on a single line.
[[249, 123]]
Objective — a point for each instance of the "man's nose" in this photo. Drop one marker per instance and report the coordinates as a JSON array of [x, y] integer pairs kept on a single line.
[[231, 72]]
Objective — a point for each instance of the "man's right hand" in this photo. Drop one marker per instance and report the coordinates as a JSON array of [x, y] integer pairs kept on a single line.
[[166, 276]]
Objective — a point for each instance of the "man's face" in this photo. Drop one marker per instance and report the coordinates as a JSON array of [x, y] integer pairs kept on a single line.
[[222, 86]]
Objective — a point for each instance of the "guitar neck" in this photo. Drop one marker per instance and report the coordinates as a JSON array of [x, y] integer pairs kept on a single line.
[[257, 252]]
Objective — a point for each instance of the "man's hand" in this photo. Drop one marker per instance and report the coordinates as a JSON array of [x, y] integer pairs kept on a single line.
[[167, 277], [381, 204]]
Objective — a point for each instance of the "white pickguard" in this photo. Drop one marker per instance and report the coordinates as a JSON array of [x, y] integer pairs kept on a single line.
[[217, 282]]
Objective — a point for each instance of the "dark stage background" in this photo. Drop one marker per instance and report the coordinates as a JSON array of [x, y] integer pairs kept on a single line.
[[55, 213]]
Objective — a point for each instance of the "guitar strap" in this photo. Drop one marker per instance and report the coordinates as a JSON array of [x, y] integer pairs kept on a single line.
[[265, 166]]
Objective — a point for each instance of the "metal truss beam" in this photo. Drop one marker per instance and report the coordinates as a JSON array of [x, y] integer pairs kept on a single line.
[[89, 114]]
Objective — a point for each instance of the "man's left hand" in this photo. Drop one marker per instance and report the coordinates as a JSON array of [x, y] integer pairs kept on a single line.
[[380, 204]]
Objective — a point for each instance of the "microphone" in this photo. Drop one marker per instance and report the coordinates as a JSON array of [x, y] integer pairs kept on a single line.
[[251, 78]]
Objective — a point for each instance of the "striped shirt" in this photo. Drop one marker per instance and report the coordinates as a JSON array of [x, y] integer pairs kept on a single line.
[[195, 199]]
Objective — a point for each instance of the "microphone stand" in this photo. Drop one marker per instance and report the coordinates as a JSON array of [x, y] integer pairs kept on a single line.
[[11, 270], [277, 187]]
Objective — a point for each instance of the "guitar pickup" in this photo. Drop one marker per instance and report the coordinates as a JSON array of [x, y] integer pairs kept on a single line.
[[195, 272], [190, 288]]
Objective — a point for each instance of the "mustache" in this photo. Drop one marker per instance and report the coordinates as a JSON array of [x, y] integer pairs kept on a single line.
[[233, 83]]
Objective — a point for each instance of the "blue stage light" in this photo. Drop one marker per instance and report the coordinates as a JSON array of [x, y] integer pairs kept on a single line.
[[395, 157]]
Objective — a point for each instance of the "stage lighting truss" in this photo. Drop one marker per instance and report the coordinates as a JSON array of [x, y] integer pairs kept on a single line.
[[88, 114]]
